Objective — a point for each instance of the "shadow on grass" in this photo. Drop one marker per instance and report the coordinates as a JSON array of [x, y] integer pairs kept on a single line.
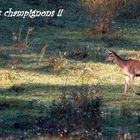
[[76, 49], [73, 112], [47, 93], [24, 114], [120, 42], [32, 94]]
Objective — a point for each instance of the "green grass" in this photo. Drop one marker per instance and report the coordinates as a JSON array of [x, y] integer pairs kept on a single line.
[[42, 85]]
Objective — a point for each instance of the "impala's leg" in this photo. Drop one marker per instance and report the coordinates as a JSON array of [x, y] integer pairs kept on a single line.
[[127, 80], [131, 82]]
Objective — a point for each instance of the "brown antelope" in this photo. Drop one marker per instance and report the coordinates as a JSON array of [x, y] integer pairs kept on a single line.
[[129, 67]]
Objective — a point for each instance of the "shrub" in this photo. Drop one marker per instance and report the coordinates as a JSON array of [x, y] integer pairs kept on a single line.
[[56, 62], [76, 113]]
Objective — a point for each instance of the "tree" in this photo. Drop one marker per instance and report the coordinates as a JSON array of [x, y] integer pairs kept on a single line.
[[106, 9]]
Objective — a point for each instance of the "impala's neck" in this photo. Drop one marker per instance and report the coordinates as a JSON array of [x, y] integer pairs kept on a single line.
[[119, 61]]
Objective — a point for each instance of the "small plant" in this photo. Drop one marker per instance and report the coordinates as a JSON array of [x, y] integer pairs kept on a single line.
[[86, 75], [56, 62], [15, 39], [41, 55], [20, 44], [9, 75], [79, 54], [25, 44], [6, 75]]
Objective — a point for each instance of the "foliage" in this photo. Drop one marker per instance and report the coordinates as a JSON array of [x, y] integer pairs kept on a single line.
[[56, 62], [16, 38], [105, 10], [73, 113]]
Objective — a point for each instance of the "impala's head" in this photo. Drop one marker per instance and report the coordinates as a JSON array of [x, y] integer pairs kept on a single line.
[[111, 56]]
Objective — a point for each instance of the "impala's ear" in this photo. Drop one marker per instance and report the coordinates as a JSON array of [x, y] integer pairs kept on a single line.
[[110, 51]]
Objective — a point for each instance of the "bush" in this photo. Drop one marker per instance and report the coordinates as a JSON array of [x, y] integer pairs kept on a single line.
[[75, 113]]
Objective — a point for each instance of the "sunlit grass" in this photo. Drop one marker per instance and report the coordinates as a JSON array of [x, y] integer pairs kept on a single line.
[[46, 86]]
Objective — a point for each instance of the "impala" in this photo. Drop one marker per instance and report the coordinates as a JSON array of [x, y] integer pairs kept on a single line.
[[130, 68]]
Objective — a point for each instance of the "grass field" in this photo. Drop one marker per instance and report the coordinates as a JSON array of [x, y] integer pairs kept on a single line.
[[83, 63]]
